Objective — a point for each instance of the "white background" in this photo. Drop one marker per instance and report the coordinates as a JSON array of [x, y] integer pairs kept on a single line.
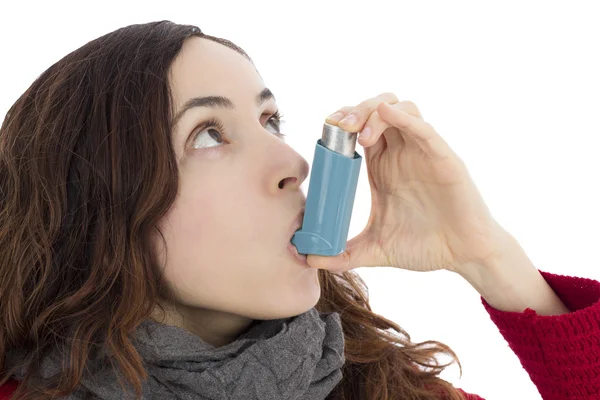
[[512, 86]]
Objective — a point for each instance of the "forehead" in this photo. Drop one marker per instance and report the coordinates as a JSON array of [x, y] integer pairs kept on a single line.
[[205, 68]]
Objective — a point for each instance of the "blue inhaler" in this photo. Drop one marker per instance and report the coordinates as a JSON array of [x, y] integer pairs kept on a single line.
[[331, 190]]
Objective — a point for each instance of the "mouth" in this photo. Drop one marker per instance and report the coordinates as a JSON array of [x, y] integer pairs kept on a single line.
[[301, 258], [297, 225]]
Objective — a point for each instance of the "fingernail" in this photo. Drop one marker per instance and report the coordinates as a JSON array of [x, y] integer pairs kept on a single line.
[[335, 117], [365, 133], [349, 120]]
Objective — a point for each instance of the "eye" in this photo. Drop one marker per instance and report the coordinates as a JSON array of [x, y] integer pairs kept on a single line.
[[205, 140], [276, 121], [214, 128]]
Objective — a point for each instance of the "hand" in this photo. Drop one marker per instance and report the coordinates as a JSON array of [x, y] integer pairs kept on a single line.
[[426, 213]]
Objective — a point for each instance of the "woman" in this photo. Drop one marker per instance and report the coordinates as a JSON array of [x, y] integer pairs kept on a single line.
[[148, 201]]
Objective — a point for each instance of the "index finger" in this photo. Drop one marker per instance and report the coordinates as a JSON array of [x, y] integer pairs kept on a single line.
[[361, 112]]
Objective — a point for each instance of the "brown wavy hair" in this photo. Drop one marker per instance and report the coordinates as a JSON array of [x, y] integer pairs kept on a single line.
[[87, 169]]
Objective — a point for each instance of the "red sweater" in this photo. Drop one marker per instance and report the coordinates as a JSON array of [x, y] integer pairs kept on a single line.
[[561, 353]]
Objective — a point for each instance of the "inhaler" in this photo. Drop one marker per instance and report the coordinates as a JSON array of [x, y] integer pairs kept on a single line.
[[331, 190]]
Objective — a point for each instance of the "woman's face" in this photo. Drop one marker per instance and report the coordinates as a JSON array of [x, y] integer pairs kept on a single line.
[[227, 234]]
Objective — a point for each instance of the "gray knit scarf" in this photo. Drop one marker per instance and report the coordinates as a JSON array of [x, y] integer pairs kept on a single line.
[[292, 358]]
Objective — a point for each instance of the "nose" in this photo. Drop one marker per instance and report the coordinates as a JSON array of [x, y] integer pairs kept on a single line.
[[289, 169], [296, 172]]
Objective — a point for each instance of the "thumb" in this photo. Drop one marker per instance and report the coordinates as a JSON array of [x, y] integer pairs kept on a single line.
[[355, 255]]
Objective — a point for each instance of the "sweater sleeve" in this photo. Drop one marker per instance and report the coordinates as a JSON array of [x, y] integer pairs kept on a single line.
[[561, 353]]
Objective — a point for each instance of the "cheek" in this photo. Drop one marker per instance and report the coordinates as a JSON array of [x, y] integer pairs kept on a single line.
[[189, 219], [187, 231], [186, 226]]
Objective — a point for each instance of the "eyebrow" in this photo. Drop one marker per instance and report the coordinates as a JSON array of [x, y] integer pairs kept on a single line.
[[218, 102]]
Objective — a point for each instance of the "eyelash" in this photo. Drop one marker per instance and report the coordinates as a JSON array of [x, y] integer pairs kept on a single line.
[[276, 120]]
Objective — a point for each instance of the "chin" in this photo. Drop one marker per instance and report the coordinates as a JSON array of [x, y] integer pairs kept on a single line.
[[287, 310], [304, 306]]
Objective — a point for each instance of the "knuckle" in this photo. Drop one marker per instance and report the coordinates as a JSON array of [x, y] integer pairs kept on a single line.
[[364, 105], [361, 110], [410, 107], [367, 107], [388, 97]]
